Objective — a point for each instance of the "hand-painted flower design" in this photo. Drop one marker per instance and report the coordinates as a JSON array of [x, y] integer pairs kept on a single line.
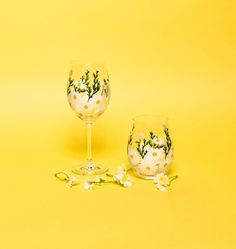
[[89, 94], [133, 156], [82, 85], [150, 154], [157, 140]]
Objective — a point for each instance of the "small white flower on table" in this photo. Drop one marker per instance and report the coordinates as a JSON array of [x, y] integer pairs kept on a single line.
[[162, 182], [122, 178], [88, 184], [82, 85], [72, 182]]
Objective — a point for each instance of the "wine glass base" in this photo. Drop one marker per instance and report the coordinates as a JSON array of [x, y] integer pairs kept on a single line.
[[89, 169]]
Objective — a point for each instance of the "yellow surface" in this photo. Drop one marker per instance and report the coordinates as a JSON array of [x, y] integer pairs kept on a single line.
[[175, 58]]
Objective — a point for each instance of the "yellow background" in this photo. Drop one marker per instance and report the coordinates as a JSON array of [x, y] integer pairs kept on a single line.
[[175, 58]]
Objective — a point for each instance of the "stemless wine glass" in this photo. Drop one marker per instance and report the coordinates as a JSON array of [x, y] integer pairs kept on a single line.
[[150, 147], [88, 92]]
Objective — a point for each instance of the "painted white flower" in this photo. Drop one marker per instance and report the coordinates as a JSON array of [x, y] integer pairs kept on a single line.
[[99, 101], [83, 105], [122, 178], [162, 182], [155, 155], [82, 85], [88, 184], [133, 156], [150, 164], [147, 169], [75, 82], [72, 182], [164, 164], [139, 136], [74, 98], [158, 141]]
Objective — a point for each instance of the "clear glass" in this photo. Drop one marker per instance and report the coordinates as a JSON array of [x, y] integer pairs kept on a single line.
[[150, 147], [88, 93]]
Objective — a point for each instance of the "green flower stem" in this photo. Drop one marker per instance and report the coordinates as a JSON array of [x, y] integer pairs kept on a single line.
[[171, 179], [105, 181], [62, 176], [141, 148], [108, 174], [101, 182], [92, 86]]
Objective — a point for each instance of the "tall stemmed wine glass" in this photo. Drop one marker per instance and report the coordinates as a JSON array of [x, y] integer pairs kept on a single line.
[[88, 92]]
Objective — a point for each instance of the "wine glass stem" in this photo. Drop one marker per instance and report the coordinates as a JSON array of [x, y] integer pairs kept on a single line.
[[89, 142]]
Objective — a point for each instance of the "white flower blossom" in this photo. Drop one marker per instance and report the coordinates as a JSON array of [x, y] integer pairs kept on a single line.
[[122, 178], [82, 85], [75, 82], [162, 182], [99, 102], [150, 164], [72, 182], [88, 184]]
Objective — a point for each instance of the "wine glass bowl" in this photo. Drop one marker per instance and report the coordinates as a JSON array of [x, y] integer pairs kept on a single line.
[[88, 92]]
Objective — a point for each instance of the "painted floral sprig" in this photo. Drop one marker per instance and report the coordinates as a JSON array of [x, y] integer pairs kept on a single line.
[[154, 141], [70, 83], [85, 85], [168, 141], [141, 147], [106, 87], [131, 135], [95, 86]]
